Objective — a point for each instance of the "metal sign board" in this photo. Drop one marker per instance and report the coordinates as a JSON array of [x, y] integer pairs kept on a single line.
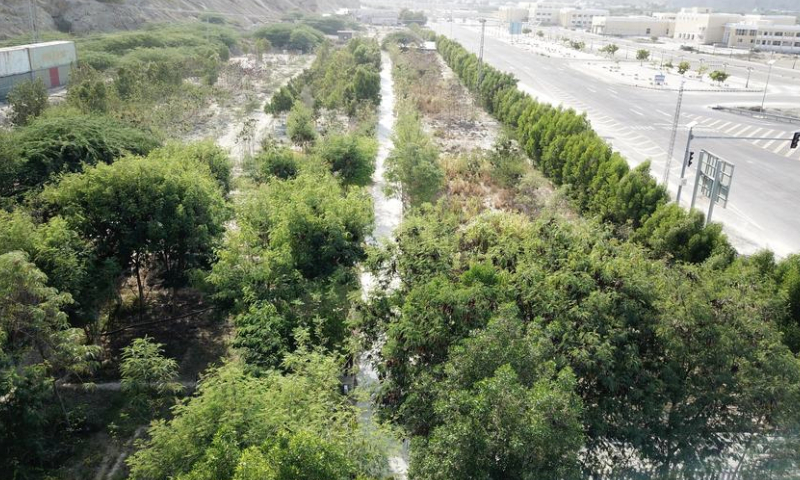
[[660, 79], [714, 170]]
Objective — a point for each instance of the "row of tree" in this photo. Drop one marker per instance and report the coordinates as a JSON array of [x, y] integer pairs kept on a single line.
[[285, 274], [566, 149], [344, 78]]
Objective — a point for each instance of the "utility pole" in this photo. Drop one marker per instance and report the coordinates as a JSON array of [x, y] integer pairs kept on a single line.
[[764, 98], [34, 22], [673, 136], [480, 59]]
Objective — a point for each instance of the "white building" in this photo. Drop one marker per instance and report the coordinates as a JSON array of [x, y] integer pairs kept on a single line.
[[545, 13], [571, 17], [700, 25], [512, 14], [763, 36], [633, 26]]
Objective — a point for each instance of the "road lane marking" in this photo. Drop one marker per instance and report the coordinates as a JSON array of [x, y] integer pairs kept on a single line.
[[766, 134], [591, 89], [664, 113], [711, 125], [740, 132], [734, 127], [613, 92], [637, 112], [780, 147], [723, 125], [754, 133]]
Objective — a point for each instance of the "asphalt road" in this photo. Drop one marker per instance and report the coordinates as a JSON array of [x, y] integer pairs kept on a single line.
[[764, 197]]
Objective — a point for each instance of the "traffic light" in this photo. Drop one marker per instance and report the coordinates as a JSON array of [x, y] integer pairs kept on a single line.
[[795, 140], [691, 158]]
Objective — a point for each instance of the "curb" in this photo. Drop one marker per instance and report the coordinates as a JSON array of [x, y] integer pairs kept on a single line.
[[717, 90]]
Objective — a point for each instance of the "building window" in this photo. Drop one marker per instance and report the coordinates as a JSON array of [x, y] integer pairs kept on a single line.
[[797, 44], [776, 42], [647, 31], [753, 33], [740, 40], [778, 34]]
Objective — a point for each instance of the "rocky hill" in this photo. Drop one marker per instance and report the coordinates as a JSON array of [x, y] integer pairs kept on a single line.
[[82, 16]]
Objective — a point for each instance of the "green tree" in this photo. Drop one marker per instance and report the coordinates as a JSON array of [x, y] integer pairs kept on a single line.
[[718, 76], [412, 167], [271, 426], [147, 375], [642, 55], [28, 99], [205, 153], [51, 146], [351, 157], [88, 91], [304, 39], [68, 260], [282, 101], [610, 49], [276, 162], [300, 124], [141, 208], [37, 347], [684, 67], [263, 46]]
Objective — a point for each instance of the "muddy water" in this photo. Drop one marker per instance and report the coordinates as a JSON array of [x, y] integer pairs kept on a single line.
[[388, 214]]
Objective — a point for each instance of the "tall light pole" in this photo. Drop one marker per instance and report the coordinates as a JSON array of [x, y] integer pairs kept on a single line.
[[480, 59], [674, 134], [764, 98], [749, 70], [34, 21]]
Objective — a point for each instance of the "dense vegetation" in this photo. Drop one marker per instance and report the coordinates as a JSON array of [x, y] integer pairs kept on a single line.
[[286, 275], [532, 346], [340, 79], [517, 343]]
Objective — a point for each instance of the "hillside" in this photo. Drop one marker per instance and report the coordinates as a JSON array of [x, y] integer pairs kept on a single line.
[[82, 16]]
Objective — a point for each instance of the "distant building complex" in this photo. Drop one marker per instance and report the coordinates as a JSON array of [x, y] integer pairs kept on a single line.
[[698, 25], [638, 26], [52, 62]]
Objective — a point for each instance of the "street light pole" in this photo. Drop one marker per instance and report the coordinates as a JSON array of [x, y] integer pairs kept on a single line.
[[480, 59], [764, 98], [749, 71]]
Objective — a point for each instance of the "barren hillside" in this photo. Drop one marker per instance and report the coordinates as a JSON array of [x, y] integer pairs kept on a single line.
[[80, 16]]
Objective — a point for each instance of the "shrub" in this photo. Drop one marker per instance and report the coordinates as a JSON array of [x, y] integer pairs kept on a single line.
[[300, 124], [28, 99]]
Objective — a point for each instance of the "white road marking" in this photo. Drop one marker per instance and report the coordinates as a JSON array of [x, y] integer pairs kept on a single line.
[[637, 112], [711, 125], [766, 134], [591, 89], [780, 147], [740, 132], [723, 125], [766, 145], [734, 127], [613, 92], [754, 133], [664, 113]]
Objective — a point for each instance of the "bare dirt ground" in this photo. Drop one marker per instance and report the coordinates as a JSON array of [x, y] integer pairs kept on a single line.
[[466, 134]]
